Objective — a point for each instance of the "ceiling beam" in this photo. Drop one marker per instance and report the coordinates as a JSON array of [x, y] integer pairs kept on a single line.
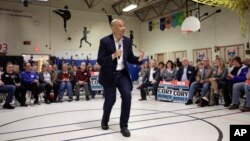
[[89, 3], [162, 7]]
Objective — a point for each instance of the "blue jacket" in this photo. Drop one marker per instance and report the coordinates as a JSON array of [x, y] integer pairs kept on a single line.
[[242, 76], [28, 77]]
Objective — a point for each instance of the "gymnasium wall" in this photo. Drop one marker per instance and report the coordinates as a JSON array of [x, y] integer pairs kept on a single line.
[[45, 31]]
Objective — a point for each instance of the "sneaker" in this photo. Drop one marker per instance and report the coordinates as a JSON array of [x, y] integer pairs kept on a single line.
[[233, 107], [8, 106], [47, 102]]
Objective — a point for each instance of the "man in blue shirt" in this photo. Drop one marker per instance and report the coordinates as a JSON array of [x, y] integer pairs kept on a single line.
[[30, 81]]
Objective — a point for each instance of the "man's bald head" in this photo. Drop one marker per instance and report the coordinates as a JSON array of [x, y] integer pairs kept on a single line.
[[118, 28]]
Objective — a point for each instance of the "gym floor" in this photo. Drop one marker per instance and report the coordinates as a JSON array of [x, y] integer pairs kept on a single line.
[[149, 121]]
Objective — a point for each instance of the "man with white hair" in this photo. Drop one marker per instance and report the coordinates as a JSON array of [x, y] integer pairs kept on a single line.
[[82, 79], [186, 72], [115, 51]]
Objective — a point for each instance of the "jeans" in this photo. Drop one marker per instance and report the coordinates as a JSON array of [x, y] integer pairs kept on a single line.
[[63, 86], [247, 89], [10, 89], [205, 88], [237, 89]]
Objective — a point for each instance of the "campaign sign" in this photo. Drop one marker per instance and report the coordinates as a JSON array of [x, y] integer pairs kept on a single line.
[[176, 91], [95, 85]]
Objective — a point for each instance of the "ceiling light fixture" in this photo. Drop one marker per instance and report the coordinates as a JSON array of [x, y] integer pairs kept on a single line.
[[129, 6]]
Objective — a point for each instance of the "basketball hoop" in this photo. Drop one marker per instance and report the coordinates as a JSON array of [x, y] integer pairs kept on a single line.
[[190, 24]]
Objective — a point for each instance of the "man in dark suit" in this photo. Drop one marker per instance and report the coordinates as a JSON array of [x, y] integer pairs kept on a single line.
[[115, 51], [151, 79], [186, 72]]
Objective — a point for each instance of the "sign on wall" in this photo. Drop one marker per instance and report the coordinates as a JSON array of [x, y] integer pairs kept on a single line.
[[201, 54]]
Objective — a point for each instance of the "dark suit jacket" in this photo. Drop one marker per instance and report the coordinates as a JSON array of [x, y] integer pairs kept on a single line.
[[156, 75], [190, 74], [108, 66]]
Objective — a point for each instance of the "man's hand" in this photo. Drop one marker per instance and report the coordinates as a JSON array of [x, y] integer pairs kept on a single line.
[[118, 53], [18, 84], [230, 76], [152, 82], [212, 79], [1, 83], [51, 84], [36, 81], [141, 56]]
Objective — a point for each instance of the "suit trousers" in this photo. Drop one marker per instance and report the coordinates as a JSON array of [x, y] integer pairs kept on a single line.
[[122, 82]]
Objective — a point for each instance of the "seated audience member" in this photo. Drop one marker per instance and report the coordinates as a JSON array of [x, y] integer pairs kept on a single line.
[[54, 74], [55, 69], [29, 79], [142, 73], [96, 67], [246, 107], [161, 66], [1, 71], [202, 80], [240, 87], [11, 78], [169, 73], [64, 78], [82, 79], [220, 73], [236, 74], [16, 69], [10, 90], [186, 72], [90, 69], [151, 78], [47, 83], [74, 70]]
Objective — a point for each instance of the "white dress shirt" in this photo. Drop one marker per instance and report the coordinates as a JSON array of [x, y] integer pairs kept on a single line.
[[184, 75], [120, 62], [151, 78]]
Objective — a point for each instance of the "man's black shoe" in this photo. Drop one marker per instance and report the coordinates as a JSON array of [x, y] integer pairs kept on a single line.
[[125, 132], [77, 99], [8, 106], [70, 99], [227, 104], [189, 102], [24, 105], [105, 126]]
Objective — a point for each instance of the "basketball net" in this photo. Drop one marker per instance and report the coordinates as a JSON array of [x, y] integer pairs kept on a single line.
[[187, 31]]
